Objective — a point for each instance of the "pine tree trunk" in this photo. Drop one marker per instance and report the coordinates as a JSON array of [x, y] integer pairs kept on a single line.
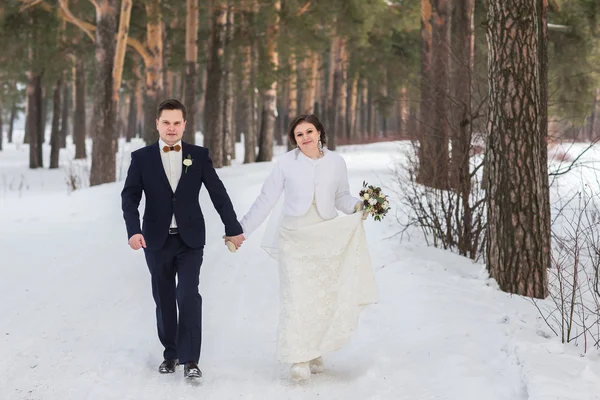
[[55, 132], [64, 119], [11, 121], [311, 88], [103, 153], [338, 95], [213, 135], [34, 117], [154, 68], [292, 97], [352, 107], [269, 96], [330, 93], [79, 118], [518, 251], [433, 151], [191, 60], [228, 139], [364, 96], [131, 118], [460, 119], [247, 99], [405, 114], [121, 47]]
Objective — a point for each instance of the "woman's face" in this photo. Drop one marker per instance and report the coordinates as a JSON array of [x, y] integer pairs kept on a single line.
[[307, 137]]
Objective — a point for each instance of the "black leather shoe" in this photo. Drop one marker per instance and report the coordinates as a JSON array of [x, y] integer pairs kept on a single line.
[[191, 370], [168, 366]]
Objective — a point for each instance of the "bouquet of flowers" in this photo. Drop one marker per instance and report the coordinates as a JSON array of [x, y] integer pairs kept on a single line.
[[374, 202]]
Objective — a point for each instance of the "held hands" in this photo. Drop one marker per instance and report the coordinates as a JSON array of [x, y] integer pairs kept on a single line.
[[137, 241], [234, 242]]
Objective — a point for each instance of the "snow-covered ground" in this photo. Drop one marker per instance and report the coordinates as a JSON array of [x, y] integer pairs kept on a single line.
[[77, 316]]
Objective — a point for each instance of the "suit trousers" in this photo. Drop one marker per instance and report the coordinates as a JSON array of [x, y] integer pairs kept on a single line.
[[181, 338]]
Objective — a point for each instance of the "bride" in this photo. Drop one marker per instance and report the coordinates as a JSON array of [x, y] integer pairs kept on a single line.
[[324, 265]]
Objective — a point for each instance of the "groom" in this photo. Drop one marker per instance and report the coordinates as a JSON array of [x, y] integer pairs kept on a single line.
[[170, 173]]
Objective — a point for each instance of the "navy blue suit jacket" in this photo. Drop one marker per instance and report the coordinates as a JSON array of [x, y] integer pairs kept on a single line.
[[146, 174]]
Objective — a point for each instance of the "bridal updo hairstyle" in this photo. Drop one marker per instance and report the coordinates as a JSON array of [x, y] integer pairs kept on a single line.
[[311, 119]]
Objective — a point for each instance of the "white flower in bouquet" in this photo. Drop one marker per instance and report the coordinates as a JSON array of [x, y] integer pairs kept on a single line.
[[374, 202]]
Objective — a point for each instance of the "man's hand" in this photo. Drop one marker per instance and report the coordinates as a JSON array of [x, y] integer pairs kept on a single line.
[[236, 240], [137, 241]]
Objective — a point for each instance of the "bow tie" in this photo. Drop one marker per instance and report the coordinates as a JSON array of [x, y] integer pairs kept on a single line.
[[167, 149]]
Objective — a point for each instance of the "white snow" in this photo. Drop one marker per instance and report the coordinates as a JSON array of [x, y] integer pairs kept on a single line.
[[77, 317]]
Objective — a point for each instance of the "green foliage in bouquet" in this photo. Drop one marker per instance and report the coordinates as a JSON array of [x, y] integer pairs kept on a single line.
[[374, 201]]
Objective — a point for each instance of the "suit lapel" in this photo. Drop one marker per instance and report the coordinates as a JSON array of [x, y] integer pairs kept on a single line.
[[160, 169]]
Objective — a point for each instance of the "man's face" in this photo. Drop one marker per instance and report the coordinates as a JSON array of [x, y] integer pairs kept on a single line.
[[170, 126]]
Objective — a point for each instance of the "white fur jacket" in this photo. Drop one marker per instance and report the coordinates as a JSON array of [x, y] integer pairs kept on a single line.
[[303, 179]]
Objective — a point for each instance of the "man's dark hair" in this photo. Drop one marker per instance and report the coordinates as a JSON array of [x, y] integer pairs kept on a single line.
[[171, 104]]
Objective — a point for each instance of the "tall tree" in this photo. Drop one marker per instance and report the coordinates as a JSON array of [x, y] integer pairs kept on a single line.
[[460, 114], [55, 130], [103, 153], [213, 132], [79, 116], [269, 95], [248, 98], [433, 138], [518, 238], [227, 105], [191, 60]]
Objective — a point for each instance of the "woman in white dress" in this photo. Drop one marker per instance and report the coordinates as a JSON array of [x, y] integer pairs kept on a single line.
[[325, 269]]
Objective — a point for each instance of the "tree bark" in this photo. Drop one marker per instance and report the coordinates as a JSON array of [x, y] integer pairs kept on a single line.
[[64, 119], [191, 60], [213, 132], [460, 119], [11, 121], [79, 118], [228, 76], [433, 151], [247, 99], [55, 132], [292, 100], [267, 127], [122, 35], [311, 88], [154, 68], [103, 152], [518, 251], [352, 107], [34, 117]]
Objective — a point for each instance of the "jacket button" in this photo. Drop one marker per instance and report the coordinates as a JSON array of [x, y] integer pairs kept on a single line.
[[174, 198]]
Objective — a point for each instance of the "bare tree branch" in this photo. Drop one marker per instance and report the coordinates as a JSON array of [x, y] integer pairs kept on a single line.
[[83, 25], [304, 8]]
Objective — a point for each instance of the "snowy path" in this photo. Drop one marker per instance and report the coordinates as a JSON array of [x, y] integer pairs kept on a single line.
[[77, 318]]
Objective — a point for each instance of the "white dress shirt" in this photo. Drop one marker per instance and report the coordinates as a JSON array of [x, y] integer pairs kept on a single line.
[[303, 179], [172, 164]]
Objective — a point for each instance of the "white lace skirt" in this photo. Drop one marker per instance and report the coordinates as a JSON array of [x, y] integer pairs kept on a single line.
[[326, 277]]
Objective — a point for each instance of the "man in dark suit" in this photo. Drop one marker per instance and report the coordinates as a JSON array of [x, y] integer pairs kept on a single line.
[[170, 173]]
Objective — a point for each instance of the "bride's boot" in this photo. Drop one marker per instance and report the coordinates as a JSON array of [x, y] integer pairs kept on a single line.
[[300, 371], [316, 365]]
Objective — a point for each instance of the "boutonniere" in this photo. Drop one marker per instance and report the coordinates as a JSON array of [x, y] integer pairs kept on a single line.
[[187, 162]]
